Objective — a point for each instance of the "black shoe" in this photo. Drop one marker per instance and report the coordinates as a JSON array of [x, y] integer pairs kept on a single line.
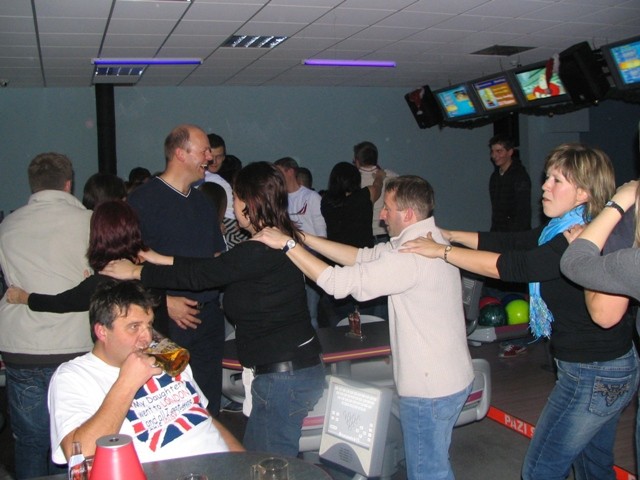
[[232, 407]]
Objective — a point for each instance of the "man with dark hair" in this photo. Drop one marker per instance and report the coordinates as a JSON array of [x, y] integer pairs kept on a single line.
[[365, 157], [218, 158], [304, 209], [431, 362], [42, 248], [509, 188], [304, 177], [177, 219], [118, 388]]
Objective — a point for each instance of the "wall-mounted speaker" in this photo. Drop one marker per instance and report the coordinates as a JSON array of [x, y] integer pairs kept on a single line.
[[582, 73], [424, 107]]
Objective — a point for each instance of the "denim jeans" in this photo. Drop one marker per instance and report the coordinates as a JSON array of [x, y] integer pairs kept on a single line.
[[578, 424], [313, 298], [281, 402], [27, 397], [206, 348], [426, 428]]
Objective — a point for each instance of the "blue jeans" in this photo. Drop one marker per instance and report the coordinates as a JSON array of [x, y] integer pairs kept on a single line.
[[313, 298], [578, 424], [426, 428], [27, 397], [206, 347], [281, 402]]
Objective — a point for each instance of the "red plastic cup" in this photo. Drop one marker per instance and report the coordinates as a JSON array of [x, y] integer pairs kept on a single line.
[[116, 459]]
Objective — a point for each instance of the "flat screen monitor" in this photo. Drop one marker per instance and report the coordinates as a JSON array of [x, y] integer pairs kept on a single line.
[[457, 102], [623, 60], [424, 107], [496, 93], [540, 85], [355, 426]]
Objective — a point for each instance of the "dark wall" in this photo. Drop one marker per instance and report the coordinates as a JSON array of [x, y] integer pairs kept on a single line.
[[614, 128]]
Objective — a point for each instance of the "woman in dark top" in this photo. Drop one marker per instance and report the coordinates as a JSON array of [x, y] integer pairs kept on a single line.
[[347, 209], [597, 368], [115, 233], [265, 298]]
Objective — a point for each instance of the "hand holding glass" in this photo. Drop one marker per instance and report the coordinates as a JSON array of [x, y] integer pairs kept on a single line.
[[172, 358]]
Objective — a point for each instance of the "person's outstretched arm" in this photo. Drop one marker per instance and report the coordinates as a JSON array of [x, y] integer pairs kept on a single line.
[[308, 263], [338, 252], [476, 261]]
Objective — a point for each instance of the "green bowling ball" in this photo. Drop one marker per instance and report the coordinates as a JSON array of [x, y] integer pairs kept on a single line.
[[492, 315], [517, 312]]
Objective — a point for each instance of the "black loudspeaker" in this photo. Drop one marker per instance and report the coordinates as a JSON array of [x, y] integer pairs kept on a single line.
[[582, 74], [509, 126], [424, 107]]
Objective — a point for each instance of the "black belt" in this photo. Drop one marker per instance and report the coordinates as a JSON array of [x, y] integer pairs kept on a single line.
[[290, 366], [382, 235]]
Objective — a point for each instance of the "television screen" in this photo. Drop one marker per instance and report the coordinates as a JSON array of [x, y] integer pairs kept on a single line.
[[424, 107], [623, 59], [539, 84], [456, 102], [496, 93]]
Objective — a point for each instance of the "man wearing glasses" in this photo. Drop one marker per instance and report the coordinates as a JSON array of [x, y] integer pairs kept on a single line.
[[177, 219]]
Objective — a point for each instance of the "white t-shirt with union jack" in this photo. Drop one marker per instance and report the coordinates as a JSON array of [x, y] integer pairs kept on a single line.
[[167, 418]]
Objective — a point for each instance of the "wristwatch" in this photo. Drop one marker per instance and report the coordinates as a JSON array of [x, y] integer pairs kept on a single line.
[[289, 245]]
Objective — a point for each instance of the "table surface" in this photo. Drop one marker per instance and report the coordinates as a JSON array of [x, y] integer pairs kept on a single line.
[[221, 466], [337, 346]]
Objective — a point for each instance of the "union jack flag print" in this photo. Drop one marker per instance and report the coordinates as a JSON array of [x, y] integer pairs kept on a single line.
[[164, 409]]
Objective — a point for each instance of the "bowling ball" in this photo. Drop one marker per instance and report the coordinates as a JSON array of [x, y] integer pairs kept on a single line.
[[517, 312], [509, 297], [492, 315], [487, 301]]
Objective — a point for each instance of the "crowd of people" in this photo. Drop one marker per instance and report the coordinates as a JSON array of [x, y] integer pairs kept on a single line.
[[208, 242]]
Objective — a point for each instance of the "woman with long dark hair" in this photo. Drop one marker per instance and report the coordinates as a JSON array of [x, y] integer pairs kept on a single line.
[[265, 298], [347, 208]]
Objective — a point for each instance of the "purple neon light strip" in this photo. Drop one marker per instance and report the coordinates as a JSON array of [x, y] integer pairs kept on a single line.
[[146, 61], [320, 62]]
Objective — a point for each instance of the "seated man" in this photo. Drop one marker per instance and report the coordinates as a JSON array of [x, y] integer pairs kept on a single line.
[[117, 388]]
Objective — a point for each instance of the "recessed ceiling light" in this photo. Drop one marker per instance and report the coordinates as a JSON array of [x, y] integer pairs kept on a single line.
[[254, 41]]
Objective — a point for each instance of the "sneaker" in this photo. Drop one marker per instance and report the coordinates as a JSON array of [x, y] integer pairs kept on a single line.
[[512, 350], [232, 407]]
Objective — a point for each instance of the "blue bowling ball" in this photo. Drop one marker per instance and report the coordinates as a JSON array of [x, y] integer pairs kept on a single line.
[[509, 297]]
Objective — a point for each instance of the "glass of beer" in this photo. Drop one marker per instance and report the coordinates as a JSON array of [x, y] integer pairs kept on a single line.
[[172, 358]]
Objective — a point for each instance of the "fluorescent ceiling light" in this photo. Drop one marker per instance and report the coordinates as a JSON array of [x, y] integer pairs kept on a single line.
[[324, 62], [146, 61], [254, 41]]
